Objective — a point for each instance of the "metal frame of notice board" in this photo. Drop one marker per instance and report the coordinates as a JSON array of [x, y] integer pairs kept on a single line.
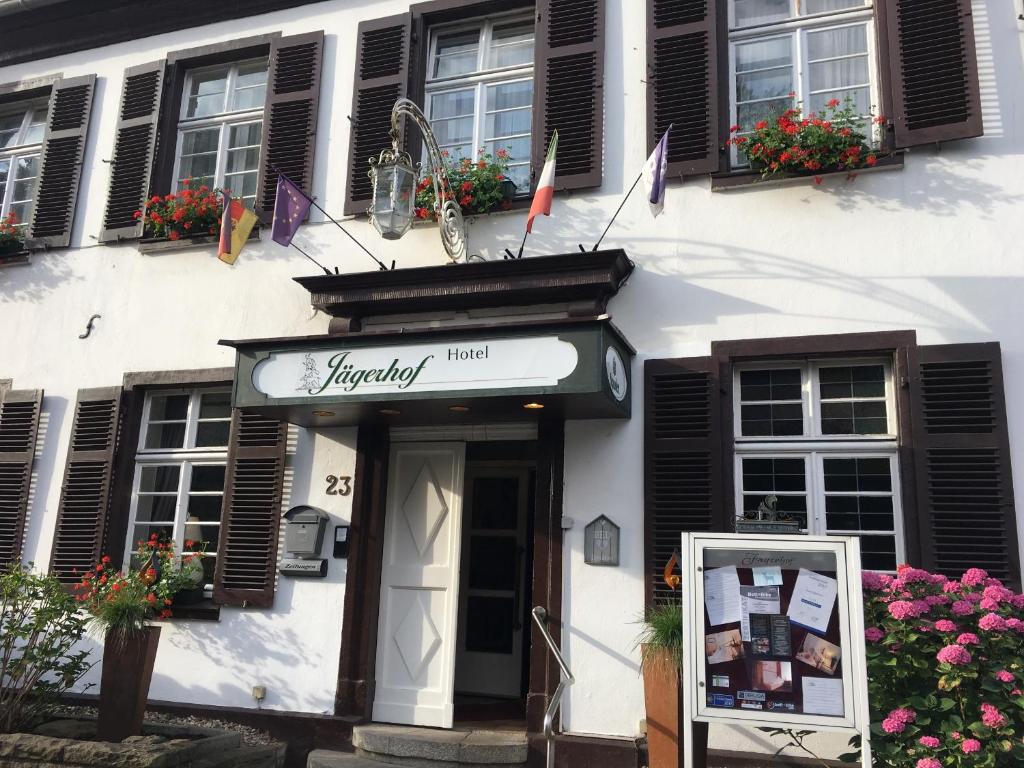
[[722, 680]]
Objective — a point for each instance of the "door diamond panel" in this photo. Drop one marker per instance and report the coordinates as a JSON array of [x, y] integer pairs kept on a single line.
[[424, 508], [417, 639]]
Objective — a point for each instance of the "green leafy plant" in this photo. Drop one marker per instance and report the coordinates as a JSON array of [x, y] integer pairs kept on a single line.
[[945, 670], [662, 635], [12, 235], [122, 603], [793, 144], [478, 187], [195, 210], [40, 627]]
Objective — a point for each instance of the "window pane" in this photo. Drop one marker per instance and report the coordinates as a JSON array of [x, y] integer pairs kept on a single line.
[[748, 115], [781, 384], [171, 435], [489, 624], [495, 503], [25, 171], [492, 562], [764, 85], [212, 433], [5, 169], [36, 127], [854, 418], [839, 74], [772, 420], [204, 508], [859, 513], [200, 142], [764, 54], [842, 41], [207, 477], [168, 407], [206, 92], [199, 534], [162, 479], [518, 149], [793, 506], [852, 381], [878, 553], [860, 97], [10, 127], [245, 135], [452, 104], [164, 532], [510, 95], [156, 508], [769, 475], [215, 405], [512, 45], [750, 12], [456, 53], [250, 86], [809, 7]]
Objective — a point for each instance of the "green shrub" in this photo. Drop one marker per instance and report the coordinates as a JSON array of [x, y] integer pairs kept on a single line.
[[40, 626], [662, 633]]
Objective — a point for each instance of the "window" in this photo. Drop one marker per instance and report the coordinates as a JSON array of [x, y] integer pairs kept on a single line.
[[820, 437], [479, 91], [221, 127], [21, 139], [180, 464], [816, 50]]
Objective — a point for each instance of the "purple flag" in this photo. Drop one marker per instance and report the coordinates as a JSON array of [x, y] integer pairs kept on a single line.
[[290, 208], [654, 174]]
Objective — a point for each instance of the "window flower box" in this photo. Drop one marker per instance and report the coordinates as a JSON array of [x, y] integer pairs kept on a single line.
[[12, 242], [479, 187]]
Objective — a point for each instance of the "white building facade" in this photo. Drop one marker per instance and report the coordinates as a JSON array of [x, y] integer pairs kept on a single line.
[[841, 342]]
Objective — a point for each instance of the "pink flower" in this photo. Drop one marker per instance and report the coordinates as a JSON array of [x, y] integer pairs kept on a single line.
[[967, 638], [1015, 624], [890, 725], [1018, 600], [962, 608], [998, 593], [937, 599], [991, 716], [873, 634], [951, 586], [928, 762], [945, 625], [988, 604], [970, 745], [973, 577], [973, 597], [954, 654], [992, 622], [872, 581], [901, 609], [1004, 676], [914, 575], [921, 607], [903, 715], [928, 741], [936, 579]]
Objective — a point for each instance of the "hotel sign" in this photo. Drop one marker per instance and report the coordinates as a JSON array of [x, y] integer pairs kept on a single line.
[[441, 367], [575, 369]]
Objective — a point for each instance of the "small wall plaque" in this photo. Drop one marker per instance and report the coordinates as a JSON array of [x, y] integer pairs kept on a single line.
[[601, 542], [291, 566]]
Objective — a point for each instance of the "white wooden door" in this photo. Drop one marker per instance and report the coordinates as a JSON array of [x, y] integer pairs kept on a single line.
[[419, 585]]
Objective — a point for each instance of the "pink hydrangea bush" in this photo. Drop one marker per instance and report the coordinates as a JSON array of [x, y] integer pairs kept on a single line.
[[945, 670]]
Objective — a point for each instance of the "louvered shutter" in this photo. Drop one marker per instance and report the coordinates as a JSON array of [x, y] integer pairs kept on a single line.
[[962, 460], [134, 145], [683, 83], [568, 90], [382, 77], [67, 126], [935, 94], [290, 114], [82, 515], [682, 459], [19, 422], [251, 517]]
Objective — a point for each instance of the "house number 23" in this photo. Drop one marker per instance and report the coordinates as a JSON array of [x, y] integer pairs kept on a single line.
[[333, 481]]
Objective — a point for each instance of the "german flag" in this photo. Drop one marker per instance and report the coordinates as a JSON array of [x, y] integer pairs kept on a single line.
[[235, 227]]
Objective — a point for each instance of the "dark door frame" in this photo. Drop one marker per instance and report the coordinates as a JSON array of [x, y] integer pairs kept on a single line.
[[357, 663]]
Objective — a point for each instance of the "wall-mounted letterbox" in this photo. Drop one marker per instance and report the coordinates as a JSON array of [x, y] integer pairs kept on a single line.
[[601, 542], [304, 531]]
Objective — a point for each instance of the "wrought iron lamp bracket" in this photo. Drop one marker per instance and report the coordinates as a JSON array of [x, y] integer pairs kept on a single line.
[[449, 214]]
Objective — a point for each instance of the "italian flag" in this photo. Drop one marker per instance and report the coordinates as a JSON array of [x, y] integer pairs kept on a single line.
[[546, 187]]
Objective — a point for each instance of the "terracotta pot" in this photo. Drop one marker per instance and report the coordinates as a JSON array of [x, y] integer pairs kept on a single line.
[[124, 686], [664, 706]]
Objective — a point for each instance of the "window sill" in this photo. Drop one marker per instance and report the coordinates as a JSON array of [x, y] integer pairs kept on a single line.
[[162, 244], [14, 259], [204, 610], [748, 180]]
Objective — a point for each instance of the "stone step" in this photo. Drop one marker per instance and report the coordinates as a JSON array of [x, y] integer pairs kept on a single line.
[[246, 756], [326, 758], [436, 748]]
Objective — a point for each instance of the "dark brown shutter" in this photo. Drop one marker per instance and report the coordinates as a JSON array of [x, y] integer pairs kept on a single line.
[[19, 422], [682, 459], [135, 143], [568, 90], [251, 518], [381, 78], [290, 114], [962, 459], [933, 68], [683, 83], [67, 126], [85, 494]]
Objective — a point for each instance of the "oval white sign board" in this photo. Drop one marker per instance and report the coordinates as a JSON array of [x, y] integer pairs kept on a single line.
[[454, 366]]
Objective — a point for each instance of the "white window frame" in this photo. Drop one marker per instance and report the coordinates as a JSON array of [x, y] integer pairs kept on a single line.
[[185, 459], [796, 29], [222, 120], [813, 447], [21, 151], [482, 76]]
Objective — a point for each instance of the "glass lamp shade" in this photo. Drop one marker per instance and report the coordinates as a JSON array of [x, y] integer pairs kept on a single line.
[[394, 197]]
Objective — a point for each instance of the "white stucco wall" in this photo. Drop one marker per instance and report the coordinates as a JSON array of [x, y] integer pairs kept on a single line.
[[934, 247]]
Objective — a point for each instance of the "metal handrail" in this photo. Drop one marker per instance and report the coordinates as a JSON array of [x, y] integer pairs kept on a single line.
[[565, 679]]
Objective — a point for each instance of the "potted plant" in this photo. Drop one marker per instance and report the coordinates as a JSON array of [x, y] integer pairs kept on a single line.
[[661, 662], [792, 144], [478, 187], [12, 239], [192, 214], [121, 604], [192, 574]]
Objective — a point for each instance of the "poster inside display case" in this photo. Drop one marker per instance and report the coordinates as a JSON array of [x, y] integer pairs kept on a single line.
[[774, 632]]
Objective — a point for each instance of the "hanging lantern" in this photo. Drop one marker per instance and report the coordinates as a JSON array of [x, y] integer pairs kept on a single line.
[[394, 183]]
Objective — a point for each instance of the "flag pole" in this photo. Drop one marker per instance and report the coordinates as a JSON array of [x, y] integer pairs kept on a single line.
[[325, 269], [314, 203], [615, 215], [526, 234]]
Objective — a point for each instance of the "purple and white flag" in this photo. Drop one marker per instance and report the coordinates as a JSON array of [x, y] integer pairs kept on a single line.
[[654, 175]]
